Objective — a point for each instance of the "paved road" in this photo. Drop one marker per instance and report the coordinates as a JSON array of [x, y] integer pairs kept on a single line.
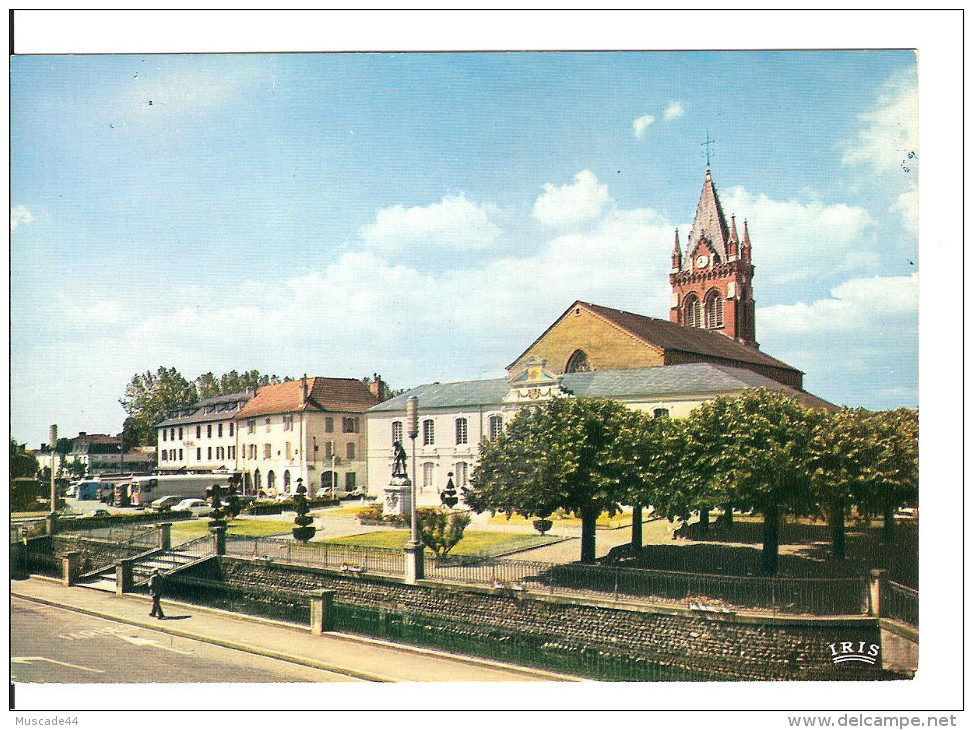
[[52, 644]]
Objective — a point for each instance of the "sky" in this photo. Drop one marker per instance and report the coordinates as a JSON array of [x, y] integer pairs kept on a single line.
[[425, 216]]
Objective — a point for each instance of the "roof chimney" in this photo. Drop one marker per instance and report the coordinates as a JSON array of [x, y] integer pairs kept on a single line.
[[376, 387], [304, 388]]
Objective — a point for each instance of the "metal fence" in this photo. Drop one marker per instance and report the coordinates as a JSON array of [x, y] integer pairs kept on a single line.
[[349, 558], [822, 596], [136, 536], [900, 602]]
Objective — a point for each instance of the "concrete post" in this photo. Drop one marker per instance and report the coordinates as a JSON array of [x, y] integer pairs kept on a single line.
[[50, 522], [414, 569], [322, 612], [70, 567], [124, 576], [878, 584], [165, 536], [219, 539]]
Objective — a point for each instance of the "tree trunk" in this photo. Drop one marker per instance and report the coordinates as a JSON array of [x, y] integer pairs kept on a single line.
[[703, 520], [888, 524], [728, 515], [838, 529], [768, 558], [589, 519], [636, 529]]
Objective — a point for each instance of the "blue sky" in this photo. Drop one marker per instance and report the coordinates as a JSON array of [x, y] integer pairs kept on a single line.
[[426, 216]]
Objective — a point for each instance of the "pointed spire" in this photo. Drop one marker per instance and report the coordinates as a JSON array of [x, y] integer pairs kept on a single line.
[[710, 222], [733, 244], [676, 253], [745, 244]]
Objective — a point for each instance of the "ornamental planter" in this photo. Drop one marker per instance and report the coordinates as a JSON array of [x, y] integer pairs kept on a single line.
[[303, 534], [543, 526]]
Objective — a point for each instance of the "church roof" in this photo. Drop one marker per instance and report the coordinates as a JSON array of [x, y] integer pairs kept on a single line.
[[709, 224], [324, 394], [649, 383], [670, 336]]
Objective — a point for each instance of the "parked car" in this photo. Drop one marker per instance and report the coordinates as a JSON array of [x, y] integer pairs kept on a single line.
[[163, 504], [199, 507], [98, 513]]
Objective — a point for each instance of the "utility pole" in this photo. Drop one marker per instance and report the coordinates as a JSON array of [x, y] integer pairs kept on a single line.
[[53, 437]]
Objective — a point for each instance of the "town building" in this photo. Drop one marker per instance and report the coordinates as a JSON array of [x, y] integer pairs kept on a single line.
[[201, 437], [707, 348], [310, 429]]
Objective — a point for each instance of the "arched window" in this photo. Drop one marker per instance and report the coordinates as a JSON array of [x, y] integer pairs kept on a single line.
[[396, 431], [461, 431], [691, 316], [714, 310], [427, 474], [462, 471], [271, 480], [578, 363], [496, 426], [247, 483], [428, 432], [257, 484], [287, 480]]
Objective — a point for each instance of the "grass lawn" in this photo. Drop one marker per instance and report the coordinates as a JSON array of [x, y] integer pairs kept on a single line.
[[191, 529], [604, 521], [473, 542], [345, 511]]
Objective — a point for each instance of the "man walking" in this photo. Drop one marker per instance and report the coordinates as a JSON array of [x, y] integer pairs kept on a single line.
[[155, 590]]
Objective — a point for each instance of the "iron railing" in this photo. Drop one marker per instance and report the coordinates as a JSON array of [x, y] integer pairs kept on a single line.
[[349, 558], [900, 602]]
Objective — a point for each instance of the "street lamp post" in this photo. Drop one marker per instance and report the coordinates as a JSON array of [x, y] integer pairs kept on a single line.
[[413, 550]]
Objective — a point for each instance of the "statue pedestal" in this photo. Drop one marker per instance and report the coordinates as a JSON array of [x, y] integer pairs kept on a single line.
[[398, 498]]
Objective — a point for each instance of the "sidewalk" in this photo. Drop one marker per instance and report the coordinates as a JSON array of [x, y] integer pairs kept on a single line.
[[367, 659]]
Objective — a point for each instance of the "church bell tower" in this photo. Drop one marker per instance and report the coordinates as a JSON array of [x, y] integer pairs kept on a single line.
[[712, 283]]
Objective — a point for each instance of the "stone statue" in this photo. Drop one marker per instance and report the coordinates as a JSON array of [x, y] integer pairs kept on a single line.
[[398, 468]]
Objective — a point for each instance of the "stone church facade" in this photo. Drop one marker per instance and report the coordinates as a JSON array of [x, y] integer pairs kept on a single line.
[[705, 349]]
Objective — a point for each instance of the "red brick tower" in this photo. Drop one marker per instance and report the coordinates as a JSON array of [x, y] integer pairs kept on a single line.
[[711, 285]]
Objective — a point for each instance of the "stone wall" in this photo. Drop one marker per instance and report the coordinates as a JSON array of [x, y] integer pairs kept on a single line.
[[720, 647]]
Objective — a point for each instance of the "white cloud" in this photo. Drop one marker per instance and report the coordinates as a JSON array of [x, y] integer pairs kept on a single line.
[[890, 131], [856, 305], [641, 124], [20, 215], [453, 223], [797, 242], [569, 205], [907, 206], [673, 111]]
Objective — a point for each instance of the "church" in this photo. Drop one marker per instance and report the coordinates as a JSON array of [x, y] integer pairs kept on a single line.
[[705, 349]]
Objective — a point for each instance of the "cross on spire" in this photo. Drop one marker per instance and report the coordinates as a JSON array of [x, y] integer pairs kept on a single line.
[[706, 144]]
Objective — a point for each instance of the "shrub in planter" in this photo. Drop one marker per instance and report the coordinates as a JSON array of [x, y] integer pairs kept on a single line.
[[304, 530]]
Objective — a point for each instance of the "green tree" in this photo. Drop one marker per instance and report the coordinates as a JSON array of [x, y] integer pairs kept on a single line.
[[76, 468], [208, 386], [763, 459], [658, 451], [844, 452], [441, 528], [561, 455], [148, 399], [23, 464], [895, 479]]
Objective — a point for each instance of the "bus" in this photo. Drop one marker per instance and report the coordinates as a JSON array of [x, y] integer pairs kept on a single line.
[[141, 491]]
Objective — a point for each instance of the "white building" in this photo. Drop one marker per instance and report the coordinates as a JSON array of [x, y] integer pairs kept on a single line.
[[310, 429], [455, 417], [201, 437]]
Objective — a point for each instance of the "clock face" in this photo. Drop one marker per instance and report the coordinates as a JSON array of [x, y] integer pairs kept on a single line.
[[701, 261]]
